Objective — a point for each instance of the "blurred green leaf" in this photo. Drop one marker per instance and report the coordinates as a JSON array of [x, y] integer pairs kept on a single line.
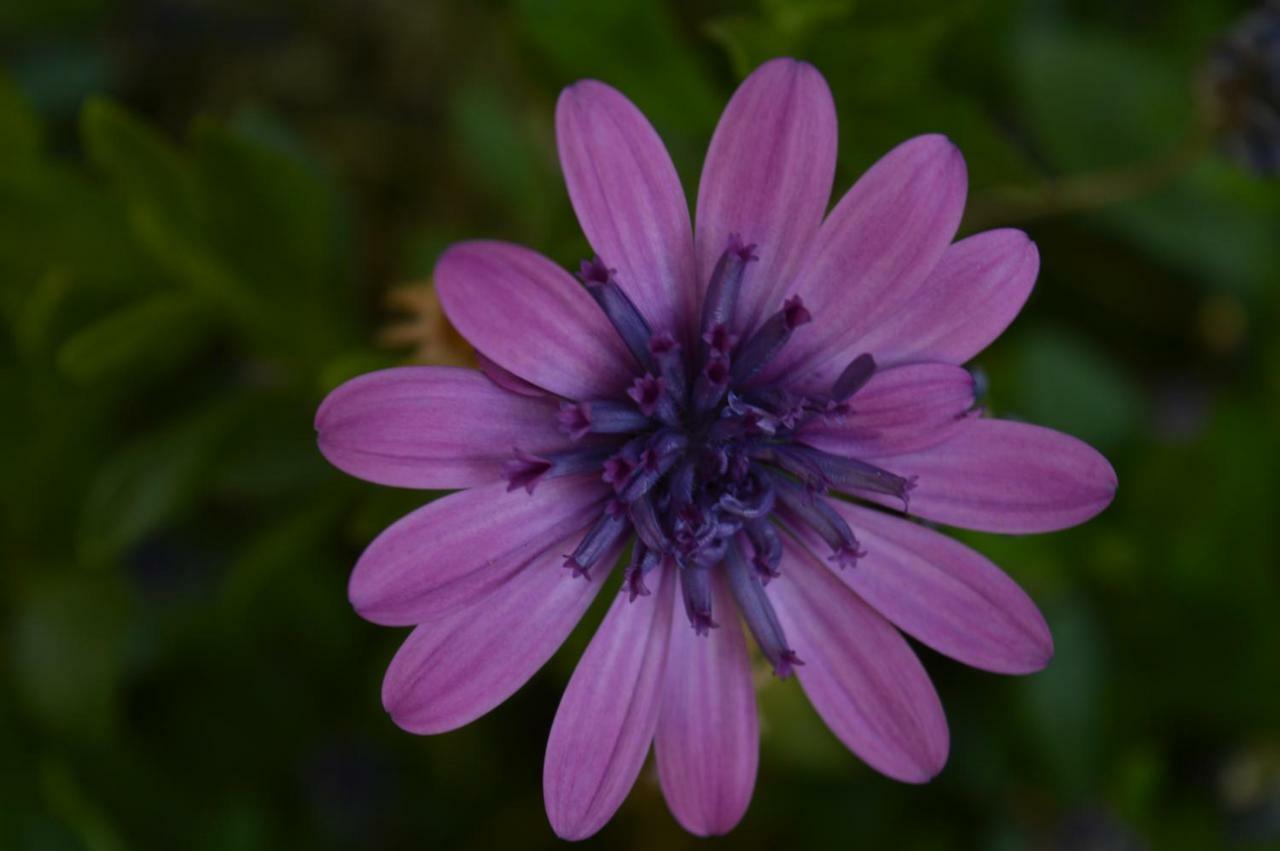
[[19, 129], [631, 44], [67, 649], [151, 480], [1095, 101], [145, 168], [154, 332], [1067, 383]]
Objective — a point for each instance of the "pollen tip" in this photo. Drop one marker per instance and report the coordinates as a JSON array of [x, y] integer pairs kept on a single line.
[[746, 251], [663, 343], [593, 272], [578, 570], [787, 663], [574, 419], [795, 313]]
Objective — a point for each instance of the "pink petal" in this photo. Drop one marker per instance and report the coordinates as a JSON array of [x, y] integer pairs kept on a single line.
[[859, 673], [608, 714], [453, 669], [767, 177], [707, 743], [628, 199], [978, 287], [874, 252], [531, 317], [943, 593], [430, 427], [1001, 476], [457, 549], [901, 409]]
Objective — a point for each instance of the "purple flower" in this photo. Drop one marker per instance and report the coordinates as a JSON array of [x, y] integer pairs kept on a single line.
[[750, 405]]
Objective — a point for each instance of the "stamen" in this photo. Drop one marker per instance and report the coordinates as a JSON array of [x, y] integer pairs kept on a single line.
[[622, 312], [721, 301], [711, 385], [767, 547], [814, 512], [663, 451], [850, 474], [607, 531], [758, 612], [854, 376], [667, 353], [751, 500], [526, 470], [649, 392], [578, 419], [695, 582], [644, 517], [765, 344], [643, 560]]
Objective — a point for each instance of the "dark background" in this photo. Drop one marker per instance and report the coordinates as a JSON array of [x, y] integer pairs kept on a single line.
[[203, 207]]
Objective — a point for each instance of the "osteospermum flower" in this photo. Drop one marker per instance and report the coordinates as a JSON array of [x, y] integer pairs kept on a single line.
[[757, 407]]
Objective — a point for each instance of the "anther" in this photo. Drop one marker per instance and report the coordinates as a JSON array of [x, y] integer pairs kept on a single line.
[[622, 312], [765, 344], [757, 611]]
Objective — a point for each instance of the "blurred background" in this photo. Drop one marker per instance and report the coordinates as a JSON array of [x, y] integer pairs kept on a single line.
[[212, 212]]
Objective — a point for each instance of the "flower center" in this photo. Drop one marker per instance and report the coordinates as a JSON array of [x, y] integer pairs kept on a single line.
[[707, 464]]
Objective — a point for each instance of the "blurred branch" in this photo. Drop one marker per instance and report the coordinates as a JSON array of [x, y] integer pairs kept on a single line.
[[1015, 205]]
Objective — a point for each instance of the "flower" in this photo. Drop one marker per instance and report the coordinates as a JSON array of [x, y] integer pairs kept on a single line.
[[758, 407]]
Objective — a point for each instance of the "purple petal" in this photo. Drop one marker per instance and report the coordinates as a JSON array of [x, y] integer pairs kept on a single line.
[[430, 427], [530, 317], [608, 714], [944, 594], [453, 669], [1001, 476], [628, 199], [767, 178], [874, 252], [901, 409], [707, 743], [975, 291], [859, 673], [460, 548]]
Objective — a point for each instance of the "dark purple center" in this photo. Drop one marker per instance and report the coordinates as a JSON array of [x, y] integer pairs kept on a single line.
[[705, 461]]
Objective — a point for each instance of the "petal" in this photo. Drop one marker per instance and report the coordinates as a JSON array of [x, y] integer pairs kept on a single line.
[[977, 288], [608, 714], [874, 252], [459, 548], [944, 594], [430, 427], [627, 195], [454, 669], [531, 317], [1002, 476], [767, 177], [708, 738], [859, 672], [901, 409]]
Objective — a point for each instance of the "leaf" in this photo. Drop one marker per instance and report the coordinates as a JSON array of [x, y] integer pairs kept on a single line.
[[633, 45], [1065, 382], [156, 331], [1095, 101], [147, 171], [19, 128], [67, 649], [151, 481]]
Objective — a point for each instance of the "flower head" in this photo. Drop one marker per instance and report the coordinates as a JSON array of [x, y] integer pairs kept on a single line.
[[749, 407]]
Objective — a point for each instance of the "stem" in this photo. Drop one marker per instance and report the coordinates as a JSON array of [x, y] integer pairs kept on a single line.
[[1084, 192]]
